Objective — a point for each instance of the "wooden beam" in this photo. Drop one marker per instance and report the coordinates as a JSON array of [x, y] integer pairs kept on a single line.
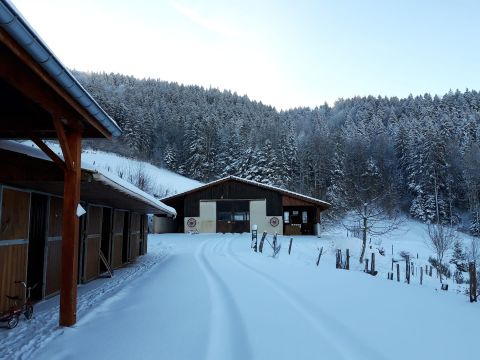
[[62, 138], [20, 77], [16, 49], [49, 152], [69, 267]]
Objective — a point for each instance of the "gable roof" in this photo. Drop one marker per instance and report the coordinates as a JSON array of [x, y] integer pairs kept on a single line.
[[254, 183]]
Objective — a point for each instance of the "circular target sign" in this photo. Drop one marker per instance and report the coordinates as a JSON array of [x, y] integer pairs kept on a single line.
[[191, 222], [274, 221]]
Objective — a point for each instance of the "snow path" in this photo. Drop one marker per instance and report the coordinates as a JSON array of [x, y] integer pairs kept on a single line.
[[208, 296], [333, 333], [227, 336], [29, 337]]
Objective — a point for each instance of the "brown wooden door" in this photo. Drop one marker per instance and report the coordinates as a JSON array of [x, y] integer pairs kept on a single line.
[[117, 238], [233, 216], [92, 243]]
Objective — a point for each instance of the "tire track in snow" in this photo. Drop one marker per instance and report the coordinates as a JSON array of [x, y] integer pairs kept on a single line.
[[337, 335], [227, 338]]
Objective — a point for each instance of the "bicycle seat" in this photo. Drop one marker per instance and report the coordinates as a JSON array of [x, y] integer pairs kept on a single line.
[[13, 297]]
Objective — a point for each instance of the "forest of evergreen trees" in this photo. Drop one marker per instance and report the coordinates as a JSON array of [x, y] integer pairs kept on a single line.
[[419, 154]]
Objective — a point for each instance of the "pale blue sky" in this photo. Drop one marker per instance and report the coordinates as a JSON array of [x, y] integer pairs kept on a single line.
[[283, 53]]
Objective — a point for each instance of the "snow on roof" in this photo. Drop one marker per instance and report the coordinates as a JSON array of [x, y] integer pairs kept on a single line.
[[100, 175], [254, 183]]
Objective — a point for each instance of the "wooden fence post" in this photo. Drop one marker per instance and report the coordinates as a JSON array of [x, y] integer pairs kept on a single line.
[[319, 255], [338, 263], [372, 265], [407, 269], [347, 265], [473, 281], [421, 275], [398, 272], [262, 241], [290, 246], [254, 239], [366, 266]]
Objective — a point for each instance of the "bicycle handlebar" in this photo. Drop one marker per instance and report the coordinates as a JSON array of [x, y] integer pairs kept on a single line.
[[25, 285]]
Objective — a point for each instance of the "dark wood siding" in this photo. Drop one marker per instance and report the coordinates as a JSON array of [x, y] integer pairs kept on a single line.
[[143, 234], [134, 236], [233, 190], [117, 238], [13, 267], [54, 246], [15, 215], [92, 243], [14, 224]]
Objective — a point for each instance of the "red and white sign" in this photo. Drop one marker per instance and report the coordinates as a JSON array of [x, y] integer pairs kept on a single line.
[[274, 221], [191, 222]]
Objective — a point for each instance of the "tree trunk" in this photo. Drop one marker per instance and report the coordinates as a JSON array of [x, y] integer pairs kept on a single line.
[[364, 237]]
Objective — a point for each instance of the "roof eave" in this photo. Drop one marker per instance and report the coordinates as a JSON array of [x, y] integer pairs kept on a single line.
[[18, 28]]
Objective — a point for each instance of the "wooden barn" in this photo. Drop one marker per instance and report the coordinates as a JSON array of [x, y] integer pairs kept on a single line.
[[42, 235], [233, 205], [31, 196]]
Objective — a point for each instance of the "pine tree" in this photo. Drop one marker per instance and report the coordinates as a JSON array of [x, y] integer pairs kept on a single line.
[[459, 258], [170, 158]]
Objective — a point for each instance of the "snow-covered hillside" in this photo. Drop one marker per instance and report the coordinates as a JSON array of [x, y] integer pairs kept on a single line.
[[209, 296], [160, 182]]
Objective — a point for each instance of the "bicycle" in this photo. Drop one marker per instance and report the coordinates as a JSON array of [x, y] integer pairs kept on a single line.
[[12, 316]]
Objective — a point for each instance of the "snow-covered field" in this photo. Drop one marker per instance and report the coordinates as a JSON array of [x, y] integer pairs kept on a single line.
[[208, 296]]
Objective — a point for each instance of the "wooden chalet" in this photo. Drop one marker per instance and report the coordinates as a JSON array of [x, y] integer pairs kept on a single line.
[[233, 205], [39, 226]]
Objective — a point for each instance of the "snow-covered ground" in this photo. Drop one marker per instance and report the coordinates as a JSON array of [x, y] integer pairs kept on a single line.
[[163, 181], [208, 296]]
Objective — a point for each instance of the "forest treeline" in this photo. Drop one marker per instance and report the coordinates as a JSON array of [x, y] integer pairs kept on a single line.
[[419, 154]]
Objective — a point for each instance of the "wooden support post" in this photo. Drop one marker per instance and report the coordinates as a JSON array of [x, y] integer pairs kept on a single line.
[[290, 246], [398, 272], [69, 261], [366, 266], [347, 261], [421, 275], [64, 142]]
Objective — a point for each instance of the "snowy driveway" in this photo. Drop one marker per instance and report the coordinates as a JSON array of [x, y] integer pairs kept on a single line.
[[212, 298]]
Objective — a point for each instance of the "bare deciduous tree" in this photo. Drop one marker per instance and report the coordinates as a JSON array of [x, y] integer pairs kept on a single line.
[[440, 239], [373, 220]]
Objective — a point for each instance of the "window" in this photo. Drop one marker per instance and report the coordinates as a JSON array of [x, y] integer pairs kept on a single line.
[[233, 210], [304, 217], [286, 217], [241, 216]]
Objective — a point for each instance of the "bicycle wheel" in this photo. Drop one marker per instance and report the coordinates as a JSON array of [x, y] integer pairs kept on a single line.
[[13, 322], [28, 312]]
